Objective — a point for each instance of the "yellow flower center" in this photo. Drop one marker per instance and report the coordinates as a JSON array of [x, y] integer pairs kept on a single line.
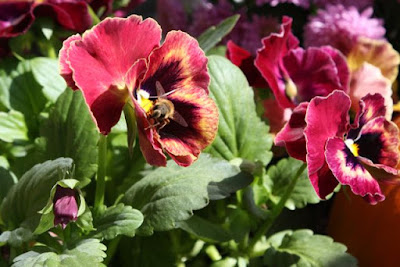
[[144, 101], [291, 88], [352, 146]]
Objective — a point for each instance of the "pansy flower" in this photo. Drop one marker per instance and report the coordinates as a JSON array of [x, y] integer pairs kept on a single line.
[[359, 155], [121, 60], [374, 68], [17, 16], [296, 75]]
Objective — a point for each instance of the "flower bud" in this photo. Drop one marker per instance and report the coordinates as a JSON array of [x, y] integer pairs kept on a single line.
[[65, 206]]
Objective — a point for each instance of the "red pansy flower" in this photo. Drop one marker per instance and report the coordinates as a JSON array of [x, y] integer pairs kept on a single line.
[[358, 155], [17, 16], [295, 74], [121, 59], [245, 61]]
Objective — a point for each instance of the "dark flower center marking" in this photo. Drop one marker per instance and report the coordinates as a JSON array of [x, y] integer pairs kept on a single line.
[[370, 146]]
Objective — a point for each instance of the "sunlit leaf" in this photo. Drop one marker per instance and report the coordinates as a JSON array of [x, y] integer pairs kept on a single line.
[[71, 132], [117, 220], [88, 252], [12, 126], [278, 179], [241, 133], [46, 73], [214, 34], [303, 248], [169, 195]]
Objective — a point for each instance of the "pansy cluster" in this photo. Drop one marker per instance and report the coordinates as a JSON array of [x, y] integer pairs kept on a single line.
[[341, 106]]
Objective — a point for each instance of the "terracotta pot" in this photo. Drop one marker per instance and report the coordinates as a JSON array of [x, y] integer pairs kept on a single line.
[[371, 233]]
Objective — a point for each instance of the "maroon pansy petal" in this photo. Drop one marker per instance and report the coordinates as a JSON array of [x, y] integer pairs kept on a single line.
[[341, 66], [269, 60], [184, 143], [178, 64], [370, 107], [72, 15], [292, 134], [349, 171], [15, 18], [381, 172], [368, 79], [101, 59], [148, 138], [323, 181], [326, 117], [378, 141], [314, 73], [65, 70], [245, 61], [277, 116], [114, 45]]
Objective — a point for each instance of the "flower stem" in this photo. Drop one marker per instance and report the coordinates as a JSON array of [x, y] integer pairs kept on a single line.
[[101, 173], [275, 211]]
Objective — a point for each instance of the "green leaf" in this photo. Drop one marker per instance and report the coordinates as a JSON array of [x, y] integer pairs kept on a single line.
[[16, 237], [226, 262], [240, 224], [278, 178], [20, 91], [130, 119], [88, 252], [241, 133], [71, 132], [31, 193], [45, 70], [303, 248], [117, 220], [169, 195], [214, 34], [12, 126], [7, 180], [205, 230]]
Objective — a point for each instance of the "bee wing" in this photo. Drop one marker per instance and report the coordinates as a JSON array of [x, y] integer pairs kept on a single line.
[[179, 119], [160, 89]]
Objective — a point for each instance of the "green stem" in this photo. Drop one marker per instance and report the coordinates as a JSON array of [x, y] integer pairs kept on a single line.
[[101, 173], [51, 51], [94, 16], [111, 249], [275, 211]]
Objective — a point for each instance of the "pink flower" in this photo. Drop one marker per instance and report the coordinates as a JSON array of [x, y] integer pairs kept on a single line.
[[65, 207], [16, 17], [340, 27], [302, 3], [296, 75], [358, 155], [167, 85], [359, 4]]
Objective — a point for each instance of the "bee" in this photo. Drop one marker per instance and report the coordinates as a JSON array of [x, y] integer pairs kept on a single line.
[[163, 110]]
